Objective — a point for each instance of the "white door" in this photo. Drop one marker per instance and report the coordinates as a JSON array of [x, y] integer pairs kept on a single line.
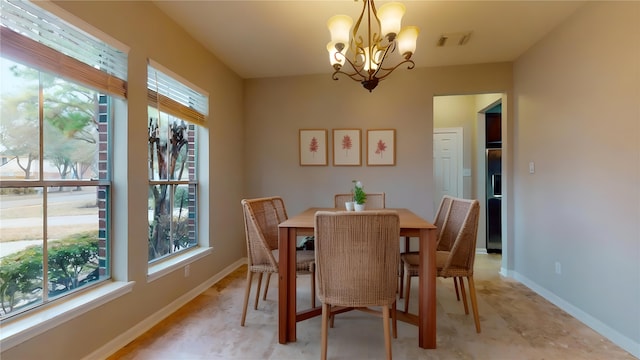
[[447, 163]]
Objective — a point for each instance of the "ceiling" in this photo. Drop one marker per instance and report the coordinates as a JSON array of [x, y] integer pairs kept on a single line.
[[259, 39]]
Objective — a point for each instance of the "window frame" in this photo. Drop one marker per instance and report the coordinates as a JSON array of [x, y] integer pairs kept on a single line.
[[17, 329], [194, 112]]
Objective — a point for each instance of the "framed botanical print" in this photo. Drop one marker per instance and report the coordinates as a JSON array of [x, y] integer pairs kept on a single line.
[[346, 147], [381, 147], [312, 145]]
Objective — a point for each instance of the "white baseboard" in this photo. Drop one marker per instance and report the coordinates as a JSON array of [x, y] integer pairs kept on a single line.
[[140, 328], [614, 336], [506, 273]]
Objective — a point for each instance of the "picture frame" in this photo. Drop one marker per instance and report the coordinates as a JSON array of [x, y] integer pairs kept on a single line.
[[347, 145], [381, 147], [312, 144]]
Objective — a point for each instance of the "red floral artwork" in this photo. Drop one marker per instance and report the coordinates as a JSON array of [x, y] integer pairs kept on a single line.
[[313, 146], [381, 148], [347, 143]]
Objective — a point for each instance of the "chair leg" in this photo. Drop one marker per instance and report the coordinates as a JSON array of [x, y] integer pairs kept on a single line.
[[266, 286], [407, 293], [313, 289], [455, 285], [401, 280], [246, 297], [387, 333], [407, 249], [326, 309], [464, 296], [474, 302], [255, 306], [463, 293], [394, 320]]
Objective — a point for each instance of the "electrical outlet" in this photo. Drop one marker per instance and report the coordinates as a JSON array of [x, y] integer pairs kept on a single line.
[[532, 167], [187, 270], [558, 268]]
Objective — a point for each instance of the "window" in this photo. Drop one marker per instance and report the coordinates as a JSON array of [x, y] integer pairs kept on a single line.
[[174, 111], [55, 144]]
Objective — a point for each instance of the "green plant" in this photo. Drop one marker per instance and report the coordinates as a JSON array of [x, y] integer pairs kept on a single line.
[[359, 196], [73, 262]]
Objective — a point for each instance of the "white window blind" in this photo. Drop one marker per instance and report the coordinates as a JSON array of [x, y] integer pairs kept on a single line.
[[34, 36], [174, 97]]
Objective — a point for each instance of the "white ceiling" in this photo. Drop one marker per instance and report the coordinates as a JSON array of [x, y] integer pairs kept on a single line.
[[282, 38]]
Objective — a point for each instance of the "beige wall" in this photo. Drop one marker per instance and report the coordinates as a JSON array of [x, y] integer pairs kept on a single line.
[[150, 34], [275, 109], [578, 118]]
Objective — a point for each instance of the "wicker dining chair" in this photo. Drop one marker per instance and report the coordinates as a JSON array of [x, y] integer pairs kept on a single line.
[[357, 257], [460, 227], [375, 201], [441, 215], [261, 219]]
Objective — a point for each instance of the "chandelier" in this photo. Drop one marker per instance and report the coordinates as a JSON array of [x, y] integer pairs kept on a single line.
[[365, 52]]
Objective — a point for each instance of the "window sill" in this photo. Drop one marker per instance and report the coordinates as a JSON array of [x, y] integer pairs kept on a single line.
[[17, 331], [156, 271]]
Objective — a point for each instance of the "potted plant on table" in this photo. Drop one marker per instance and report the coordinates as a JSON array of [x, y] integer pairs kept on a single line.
[[359, 196]]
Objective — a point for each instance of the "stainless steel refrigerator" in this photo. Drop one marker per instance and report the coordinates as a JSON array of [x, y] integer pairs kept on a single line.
[[494, 200]]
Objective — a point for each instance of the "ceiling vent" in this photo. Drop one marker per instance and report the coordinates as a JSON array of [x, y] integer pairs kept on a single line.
[[454, 39]]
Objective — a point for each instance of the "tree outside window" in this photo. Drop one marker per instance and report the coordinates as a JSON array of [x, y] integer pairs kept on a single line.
[[172, 185]]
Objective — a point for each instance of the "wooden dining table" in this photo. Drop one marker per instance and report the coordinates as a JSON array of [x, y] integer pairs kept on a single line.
[[411, 225]]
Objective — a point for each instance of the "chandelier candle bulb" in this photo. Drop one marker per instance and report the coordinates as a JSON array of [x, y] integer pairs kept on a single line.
[[339, 26], [407, 41], [390, 15], [370, 62], [336, 57]]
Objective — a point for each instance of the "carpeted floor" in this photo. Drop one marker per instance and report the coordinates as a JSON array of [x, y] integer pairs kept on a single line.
[[516, 324]]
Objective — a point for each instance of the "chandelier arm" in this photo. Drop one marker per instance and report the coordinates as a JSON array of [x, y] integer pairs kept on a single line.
[[354, 32], [364, 8], [358, 73], [388, 71], [353, 76], [383, 58]]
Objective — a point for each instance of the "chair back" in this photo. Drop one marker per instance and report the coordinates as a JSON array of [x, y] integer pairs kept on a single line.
[[374, 200], [340, 199], [261, 219], [441, 216], [462, 226], [357, 257]]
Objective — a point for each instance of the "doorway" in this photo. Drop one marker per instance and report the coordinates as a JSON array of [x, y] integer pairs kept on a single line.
[[493, 178], [468, 112]]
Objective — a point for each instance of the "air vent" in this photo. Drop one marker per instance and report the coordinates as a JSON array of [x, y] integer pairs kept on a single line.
[[454, 39]]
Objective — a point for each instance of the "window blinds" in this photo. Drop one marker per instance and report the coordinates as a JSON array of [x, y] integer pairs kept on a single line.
[[35, 37], [174, 97]]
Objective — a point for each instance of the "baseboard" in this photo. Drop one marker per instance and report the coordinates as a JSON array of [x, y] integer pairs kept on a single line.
[[614, 336], [506, 273], [140, 328]]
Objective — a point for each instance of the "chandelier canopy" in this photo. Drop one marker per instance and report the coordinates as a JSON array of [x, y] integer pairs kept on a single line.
[[366, 50]]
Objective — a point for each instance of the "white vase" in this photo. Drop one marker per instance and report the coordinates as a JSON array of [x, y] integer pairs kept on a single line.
[[349, 205], [359, 207]]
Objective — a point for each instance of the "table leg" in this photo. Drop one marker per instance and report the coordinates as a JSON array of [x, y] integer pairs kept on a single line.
[[287, 286], [427, 290]]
